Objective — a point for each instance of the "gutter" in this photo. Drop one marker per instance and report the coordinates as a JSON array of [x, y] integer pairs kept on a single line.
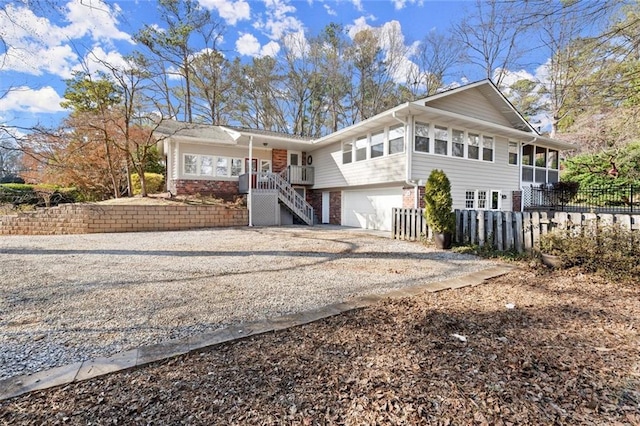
[[409, 160]]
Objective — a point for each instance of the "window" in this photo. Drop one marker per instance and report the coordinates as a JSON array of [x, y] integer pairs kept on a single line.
[[377, 145], [265, 166], [482, 200], [487, 148], [347, 147], [457, 143], [513, 153], [527, 155], [206, 165], [441, 140], [474, 146], [495, 200], [236, 166], [222, 166], [190, 164], [552, 160], [469, 199], [396, 140], [541, 156], [361, 149], [422, 137]]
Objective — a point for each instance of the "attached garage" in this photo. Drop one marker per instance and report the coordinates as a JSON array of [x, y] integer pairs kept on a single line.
[[370, 209]]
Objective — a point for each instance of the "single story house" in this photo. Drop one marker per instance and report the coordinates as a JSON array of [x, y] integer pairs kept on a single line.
[[355, 176]]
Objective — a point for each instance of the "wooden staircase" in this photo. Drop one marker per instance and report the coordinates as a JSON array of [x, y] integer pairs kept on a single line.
[[294, 202]]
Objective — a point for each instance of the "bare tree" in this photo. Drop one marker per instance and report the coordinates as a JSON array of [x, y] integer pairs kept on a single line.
[[434, 58], [490, 35]]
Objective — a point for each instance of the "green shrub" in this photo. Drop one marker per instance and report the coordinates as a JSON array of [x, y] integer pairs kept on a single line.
[[438, 203], [611, 250], [37, 195], [154, 183]]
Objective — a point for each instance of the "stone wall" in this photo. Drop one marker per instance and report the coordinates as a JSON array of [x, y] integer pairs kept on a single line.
[[100, 218], [224, 189]]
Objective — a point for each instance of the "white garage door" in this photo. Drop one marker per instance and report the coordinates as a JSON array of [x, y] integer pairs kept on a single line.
[[370, 209]]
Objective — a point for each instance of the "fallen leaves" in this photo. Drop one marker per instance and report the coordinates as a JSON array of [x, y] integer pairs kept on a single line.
[[568, 354]]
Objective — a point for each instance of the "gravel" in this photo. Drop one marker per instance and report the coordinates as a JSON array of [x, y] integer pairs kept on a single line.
[[69, 298]]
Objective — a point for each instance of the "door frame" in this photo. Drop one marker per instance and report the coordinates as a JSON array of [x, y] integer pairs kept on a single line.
[[299, 153], [326, 210]]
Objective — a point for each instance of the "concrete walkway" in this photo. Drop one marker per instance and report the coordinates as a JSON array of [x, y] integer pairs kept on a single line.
[[89, 369]]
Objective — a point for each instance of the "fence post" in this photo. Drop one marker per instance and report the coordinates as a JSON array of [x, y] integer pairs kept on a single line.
[[481, 228]]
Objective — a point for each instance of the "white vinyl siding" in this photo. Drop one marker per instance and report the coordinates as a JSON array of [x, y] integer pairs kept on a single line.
[[330, 172], [471, 103], [467, 175]]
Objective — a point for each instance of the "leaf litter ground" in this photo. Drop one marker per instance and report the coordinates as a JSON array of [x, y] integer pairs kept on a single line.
[[538, 348]]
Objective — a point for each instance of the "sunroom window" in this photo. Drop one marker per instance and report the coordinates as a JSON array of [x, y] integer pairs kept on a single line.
[[487, 148], [377, 145], [236, 166], [457, 143], [396, 139], [474, 146], [347, 149], [222, 167], [441, 140], [422, 137], [361, 149]]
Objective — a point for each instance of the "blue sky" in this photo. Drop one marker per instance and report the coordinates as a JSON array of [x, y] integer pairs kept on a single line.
[[46, 45]]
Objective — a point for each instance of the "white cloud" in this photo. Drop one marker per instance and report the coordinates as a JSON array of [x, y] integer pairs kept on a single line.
[[37, 46], [358, 25], [330, 11], [270, 49], [400, 4], [26, 99], [35, 59], [247, 44], [297, 43], [229, 10], [279, 19], [358, 5], [95, 19]]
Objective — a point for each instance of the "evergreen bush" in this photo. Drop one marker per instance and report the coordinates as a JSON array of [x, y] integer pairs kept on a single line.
[[438, 203]]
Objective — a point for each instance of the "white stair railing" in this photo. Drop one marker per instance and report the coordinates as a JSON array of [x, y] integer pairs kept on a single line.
[[286, 194]]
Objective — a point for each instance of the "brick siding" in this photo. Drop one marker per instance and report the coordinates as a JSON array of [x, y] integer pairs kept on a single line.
[[94, 218], [408, 197], [278, 160], [224, 189]]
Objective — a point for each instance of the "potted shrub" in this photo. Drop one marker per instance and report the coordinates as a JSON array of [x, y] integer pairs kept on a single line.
[[438, 208], [552, 247]]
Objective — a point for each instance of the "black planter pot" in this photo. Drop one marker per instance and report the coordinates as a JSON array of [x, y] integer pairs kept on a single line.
[[442, 240]]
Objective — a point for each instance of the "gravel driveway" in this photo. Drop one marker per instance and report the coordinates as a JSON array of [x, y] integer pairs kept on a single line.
[[69, 298]]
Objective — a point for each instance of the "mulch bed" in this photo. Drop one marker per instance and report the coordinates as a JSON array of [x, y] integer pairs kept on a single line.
[[526, 348]]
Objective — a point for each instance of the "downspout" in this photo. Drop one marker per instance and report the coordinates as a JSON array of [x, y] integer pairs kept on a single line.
[[409, 160], [250, 179]]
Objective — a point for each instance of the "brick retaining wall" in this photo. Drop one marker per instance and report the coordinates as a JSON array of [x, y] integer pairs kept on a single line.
[[94, 218]]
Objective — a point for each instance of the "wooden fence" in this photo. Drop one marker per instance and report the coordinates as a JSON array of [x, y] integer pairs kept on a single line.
[[518, 231]]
